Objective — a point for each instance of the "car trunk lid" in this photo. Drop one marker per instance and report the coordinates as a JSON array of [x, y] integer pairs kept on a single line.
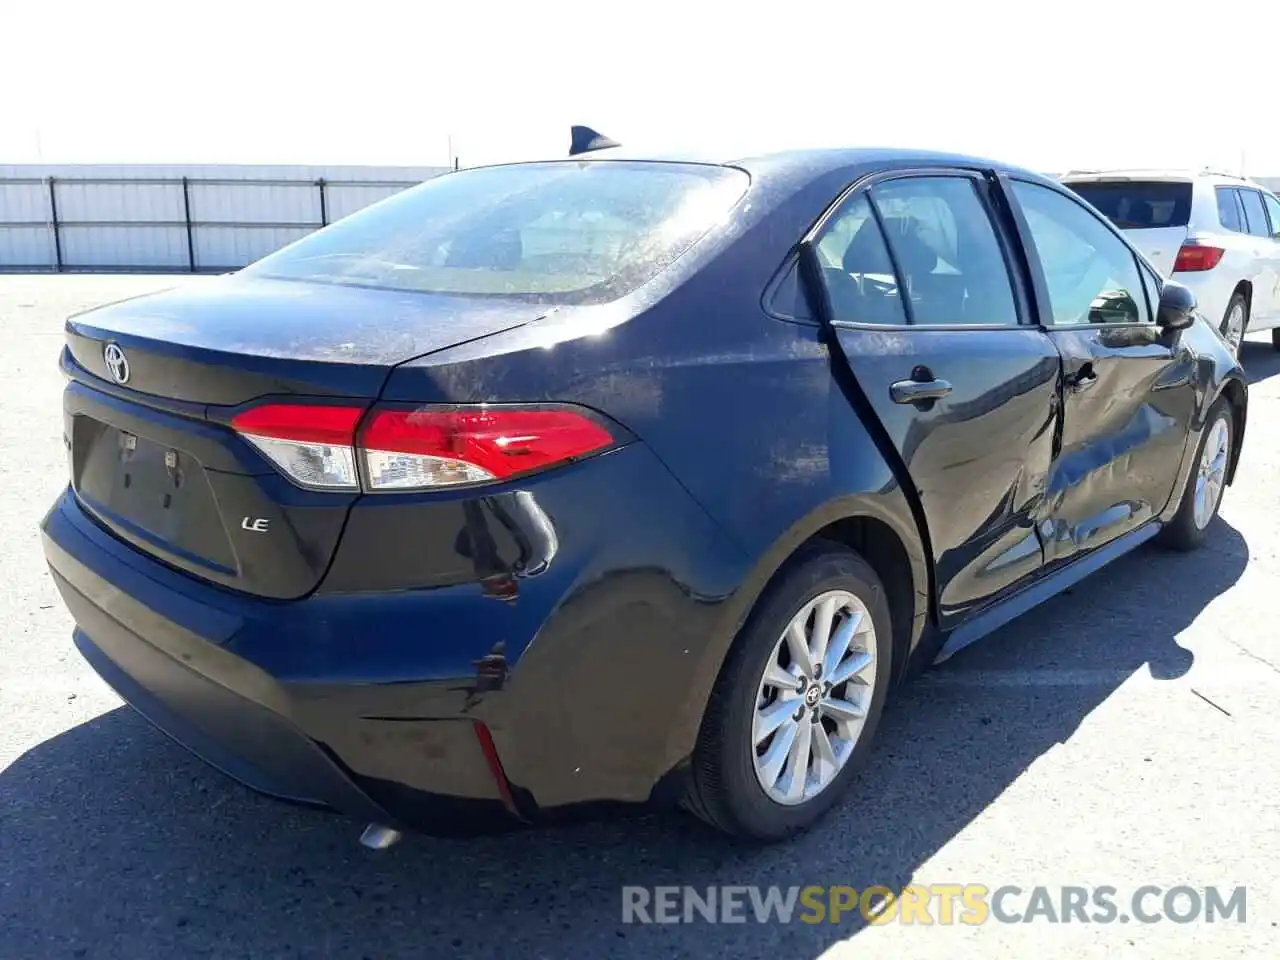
[[152, 454], [226, 340]]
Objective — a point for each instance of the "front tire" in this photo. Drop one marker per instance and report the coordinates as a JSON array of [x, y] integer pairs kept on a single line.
[[798, 700], [1202, 494]]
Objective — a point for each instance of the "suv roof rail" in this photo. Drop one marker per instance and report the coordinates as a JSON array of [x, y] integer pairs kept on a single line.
[[1224, 173]]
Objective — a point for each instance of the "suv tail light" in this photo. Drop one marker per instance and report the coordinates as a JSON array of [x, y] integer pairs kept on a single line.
[[1196, 257], [426, 448]]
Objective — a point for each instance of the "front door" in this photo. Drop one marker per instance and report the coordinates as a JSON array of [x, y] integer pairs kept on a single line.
[[925, 312], [1128, 395]]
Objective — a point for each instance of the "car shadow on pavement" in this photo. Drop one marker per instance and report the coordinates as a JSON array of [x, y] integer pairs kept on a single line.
[[116, 843], [1260, 360]]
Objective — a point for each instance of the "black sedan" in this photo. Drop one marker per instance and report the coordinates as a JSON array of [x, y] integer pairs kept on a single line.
[[550, 486]]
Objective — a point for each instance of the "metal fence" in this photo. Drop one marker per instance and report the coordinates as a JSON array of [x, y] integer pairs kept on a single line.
[[191, 224]]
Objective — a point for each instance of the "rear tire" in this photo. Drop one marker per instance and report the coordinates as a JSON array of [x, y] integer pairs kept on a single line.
[[1235, 321], [1275, 338], [735, 784], [1191, 523]]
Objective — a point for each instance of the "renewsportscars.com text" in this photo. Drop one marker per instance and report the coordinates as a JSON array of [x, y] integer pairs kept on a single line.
[[937, 903]]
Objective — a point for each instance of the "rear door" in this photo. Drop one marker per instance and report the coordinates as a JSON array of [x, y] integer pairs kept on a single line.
[[925, 311], [1153, 213], [1128, 393]]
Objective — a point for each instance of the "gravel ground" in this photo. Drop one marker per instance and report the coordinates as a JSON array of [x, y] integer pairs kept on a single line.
[[1124, 734]]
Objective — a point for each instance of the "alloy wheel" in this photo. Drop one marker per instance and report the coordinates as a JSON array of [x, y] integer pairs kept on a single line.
[[1211, 473], [813, 699]]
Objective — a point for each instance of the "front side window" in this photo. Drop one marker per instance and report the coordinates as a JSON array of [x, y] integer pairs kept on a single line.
[[1273, 208], [1091, 274], [946, 250], [558, 232], [1255, 215]]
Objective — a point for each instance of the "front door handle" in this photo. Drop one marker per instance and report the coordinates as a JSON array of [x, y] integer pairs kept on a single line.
[[1083, 379], [918, 391]]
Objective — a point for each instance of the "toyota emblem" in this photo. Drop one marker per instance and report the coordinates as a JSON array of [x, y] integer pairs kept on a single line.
[[117, 362]]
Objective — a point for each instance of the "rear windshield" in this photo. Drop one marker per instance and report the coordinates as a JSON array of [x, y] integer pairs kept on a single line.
[[560, 232], [1139, 204]]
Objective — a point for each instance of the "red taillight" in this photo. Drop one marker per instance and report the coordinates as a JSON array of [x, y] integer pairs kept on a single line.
[[420, 449], [415, 449], [1195, 257], [300, 423], [311, 444]]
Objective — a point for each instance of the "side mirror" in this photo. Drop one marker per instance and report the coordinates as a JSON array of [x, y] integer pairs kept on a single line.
[[1177, 309]]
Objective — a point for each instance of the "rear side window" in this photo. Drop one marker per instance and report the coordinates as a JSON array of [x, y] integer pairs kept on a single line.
[[1139, 204], [857, 273], [1254, 214], [952, 268], [562, 232], [1229, 214]]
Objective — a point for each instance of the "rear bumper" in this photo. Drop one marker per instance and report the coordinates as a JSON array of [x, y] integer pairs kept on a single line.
[[307, 743]]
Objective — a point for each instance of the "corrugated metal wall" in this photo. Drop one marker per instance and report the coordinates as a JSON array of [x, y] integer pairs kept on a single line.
[[180, 217]]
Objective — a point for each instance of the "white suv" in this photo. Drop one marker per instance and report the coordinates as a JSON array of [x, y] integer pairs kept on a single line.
[[1217, 234]]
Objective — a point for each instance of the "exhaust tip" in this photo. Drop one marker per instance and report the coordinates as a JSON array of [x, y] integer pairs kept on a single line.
[[378, 837]]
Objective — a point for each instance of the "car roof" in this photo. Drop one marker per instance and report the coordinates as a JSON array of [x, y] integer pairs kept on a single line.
[[802, 163]]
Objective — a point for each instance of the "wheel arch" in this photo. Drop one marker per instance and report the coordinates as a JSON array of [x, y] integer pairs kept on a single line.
[[882, 528], [887, 538], [1244, 287], [1237, 396]]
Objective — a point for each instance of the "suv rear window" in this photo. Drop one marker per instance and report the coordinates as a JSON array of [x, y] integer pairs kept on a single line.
[[556, 232], [1139, 204]]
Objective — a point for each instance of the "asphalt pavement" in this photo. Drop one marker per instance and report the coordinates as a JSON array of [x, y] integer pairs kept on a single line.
[[1125, 734]]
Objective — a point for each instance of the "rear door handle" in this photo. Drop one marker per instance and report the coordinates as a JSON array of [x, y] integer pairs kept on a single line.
[[918, 391]]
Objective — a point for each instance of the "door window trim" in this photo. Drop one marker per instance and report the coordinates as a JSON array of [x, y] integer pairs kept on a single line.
[[1040, 285], [1266, 214], [980, 178]]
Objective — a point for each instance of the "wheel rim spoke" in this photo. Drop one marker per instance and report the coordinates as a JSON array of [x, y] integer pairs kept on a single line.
[[839, 644], [823, 614], [799, 648], [798, 761], [842, 711], [854, 664], [770, 765], [824, 754], [777, 677], [773, 716]]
